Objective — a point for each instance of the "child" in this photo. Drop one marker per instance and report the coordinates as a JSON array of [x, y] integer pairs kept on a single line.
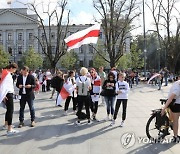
[[122, 88], [36, 89]]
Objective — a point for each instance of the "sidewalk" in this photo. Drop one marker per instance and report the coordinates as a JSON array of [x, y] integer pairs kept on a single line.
[[55, 133]]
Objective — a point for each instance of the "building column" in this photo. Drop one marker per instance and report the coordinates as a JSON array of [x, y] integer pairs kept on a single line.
[[4, 36], [14, 48], [24, 42]]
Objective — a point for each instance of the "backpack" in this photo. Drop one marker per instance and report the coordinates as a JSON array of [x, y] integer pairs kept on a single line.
[[82, 87], [81, 115]]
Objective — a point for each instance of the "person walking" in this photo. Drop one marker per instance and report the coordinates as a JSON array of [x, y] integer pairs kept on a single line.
[[6, 95], [122, 88], [26, 84]]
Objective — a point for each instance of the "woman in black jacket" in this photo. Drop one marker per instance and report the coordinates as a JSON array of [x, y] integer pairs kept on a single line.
[[109, 94]]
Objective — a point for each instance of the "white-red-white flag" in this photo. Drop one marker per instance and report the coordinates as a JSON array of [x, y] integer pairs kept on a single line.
[[154, 76], [97, 85], [86, 36], [4, 84], [66, 90]]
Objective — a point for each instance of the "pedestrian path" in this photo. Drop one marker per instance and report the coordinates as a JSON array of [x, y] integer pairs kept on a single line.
[[55, 133]]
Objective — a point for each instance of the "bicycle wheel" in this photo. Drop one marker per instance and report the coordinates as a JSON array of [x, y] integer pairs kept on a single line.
[[154, 131]]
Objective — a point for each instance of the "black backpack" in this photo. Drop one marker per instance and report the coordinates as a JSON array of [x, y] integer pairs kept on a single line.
[[81, 115]]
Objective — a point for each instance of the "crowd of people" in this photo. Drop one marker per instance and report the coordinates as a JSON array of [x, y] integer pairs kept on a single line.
[[89, 85]]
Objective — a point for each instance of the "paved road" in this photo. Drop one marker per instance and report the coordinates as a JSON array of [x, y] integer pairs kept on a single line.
[[57, 134]]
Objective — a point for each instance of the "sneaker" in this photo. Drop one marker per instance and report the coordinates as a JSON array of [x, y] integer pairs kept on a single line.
[[65, 113], [59, 105], [32, 124], [78, 123], [21, 124], [122, 124], [95, 119], [5, 127], [112, 123], [176, 139], [51, 97], [107, 118], [12, 132], [89, 122]]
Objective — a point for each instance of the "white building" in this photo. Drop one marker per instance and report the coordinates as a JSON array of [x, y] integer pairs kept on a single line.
[[18, 28]]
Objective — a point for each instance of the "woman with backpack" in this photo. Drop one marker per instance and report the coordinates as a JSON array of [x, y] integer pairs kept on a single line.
[[83, 85]]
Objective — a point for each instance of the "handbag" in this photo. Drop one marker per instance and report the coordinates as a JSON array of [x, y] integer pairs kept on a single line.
[[102, 93]]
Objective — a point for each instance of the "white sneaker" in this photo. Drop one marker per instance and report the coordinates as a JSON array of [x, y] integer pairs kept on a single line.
[[112, 123], [12, 132], [122, 124], [107, 118], [5, 127], [78, 123], [65, 113], [89, 122]]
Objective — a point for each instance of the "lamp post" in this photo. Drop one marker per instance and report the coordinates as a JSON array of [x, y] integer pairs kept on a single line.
[[144, 29]]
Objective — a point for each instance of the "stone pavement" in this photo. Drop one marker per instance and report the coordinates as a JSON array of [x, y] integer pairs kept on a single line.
[[55, 133]]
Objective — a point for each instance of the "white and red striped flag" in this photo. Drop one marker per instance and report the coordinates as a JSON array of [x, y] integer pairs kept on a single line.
[[86, 36], [4, 84], [154, 76], [66, 90], [97, 85]]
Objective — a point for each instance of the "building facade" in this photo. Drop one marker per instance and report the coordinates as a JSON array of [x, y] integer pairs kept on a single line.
[[18, 28]]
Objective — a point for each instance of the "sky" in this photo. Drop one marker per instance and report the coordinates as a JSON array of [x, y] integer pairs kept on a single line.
[[83, 12]]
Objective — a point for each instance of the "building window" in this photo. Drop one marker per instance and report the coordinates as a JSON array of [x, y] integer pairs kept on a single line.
[[10, 50], [100, 35], [53, 35], [53, 49], [90, 49], [90, 63], [81, 49], [20, 50], [9, 36], [19, 36], [30, 36], [43, 36], [0, 37], [81, 63], [30, 47]]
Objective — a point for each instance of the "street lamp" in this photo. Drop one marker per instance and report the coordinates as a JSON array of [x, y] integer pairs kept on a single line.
[[144, 28]]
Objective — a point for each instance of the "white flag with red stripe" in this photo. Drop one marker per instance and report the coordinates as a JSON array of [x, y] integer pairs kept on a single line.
[[154, 76], [97, 85], [86, 36], [4, 84], [66, 91]]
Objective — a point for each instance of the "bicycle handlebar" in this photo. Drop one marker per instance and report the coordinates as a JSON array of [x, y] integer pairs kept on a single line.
[[163, 101]]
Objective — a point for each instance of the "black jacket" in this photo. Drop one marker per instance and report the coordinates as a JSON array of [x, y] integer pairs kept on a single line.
[[109, 90], [30, 80]]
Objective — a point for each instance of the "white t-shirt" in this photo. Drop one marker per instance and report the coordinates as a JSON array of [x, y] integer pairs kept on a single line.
[[175, 89], [124, 88], [24, 83]]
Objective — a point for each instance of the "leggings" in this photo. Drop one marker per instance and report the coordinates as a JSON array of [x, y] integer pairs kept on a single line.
[[10, 108]]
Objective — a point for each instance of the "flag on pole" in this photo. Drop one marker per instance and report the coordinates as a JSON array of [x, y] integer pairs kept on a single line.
[[66, 90], [86, 36], [6, 79]]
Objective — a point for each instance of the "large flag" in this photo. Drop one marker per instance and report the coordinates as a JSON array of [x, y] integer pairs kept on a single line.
[[66, 90], [4, 84], [86, 36]]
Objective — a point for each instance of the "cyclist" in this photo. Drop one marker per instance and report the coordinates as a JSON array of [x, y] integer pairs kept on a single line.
[[174, 96]]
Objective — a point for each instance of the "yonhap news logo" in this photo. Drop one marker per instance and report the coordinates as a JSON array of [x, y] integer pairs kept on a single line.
[[129, 139]]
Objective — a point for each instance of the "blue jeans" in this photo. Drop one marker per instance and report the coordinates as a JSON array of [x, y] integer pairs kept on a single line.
[[30, 101], [110, 100]]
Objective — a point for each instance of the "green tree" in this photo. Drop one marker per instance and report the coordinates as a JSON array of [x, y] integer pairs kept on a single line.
[[4, 58], [32, 59], [69, 60]]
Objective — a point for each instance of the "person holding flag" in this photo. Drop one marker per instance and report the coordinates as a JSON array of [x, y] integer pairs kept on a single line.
[[6, 95], [95, 92]]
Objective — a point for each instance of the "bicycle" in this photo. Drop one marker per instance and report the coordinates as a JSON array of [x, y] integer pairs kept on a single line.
[[160, 124]]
